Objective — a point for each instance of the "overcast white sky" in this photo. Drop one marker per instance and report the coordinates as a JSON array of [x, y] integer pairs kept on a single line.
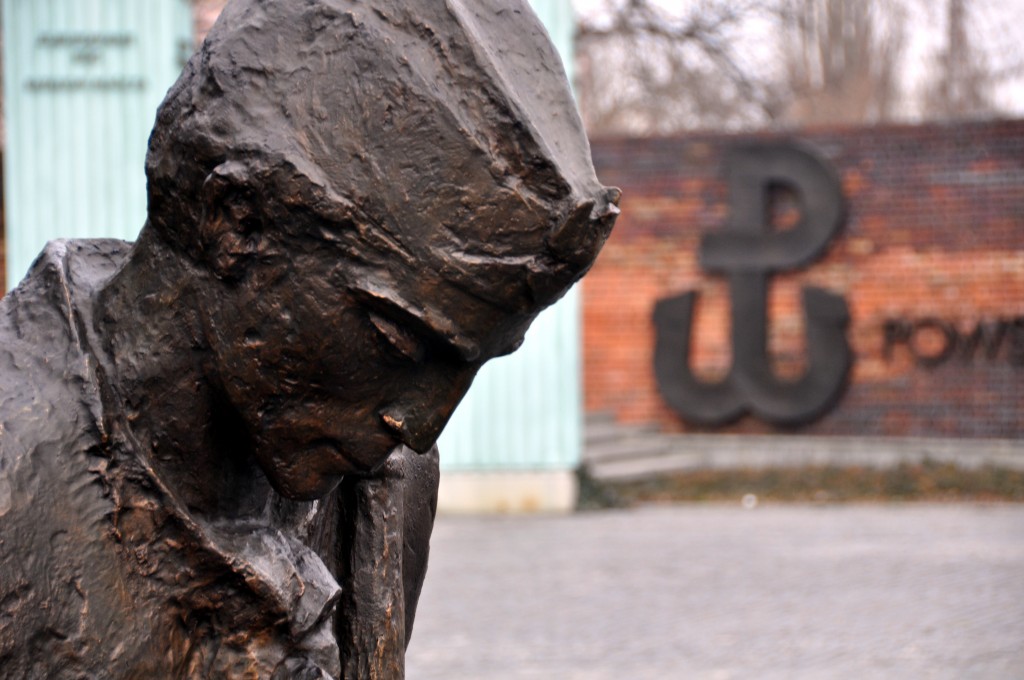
[[997, 27]]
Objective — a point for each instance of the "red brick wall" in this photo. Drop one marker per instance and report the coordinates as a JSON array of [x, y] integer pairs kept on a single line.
[[935, 228]]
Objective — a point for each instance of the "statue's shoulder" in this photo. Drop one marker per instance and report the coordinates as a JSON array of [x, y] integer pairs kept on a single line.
[[39, 314], [53, 507], [77, 263], [46, 372]]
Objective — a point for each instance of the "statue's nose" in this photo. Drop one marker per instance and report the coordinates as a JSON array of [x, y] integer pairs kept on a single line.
[[414, 428]]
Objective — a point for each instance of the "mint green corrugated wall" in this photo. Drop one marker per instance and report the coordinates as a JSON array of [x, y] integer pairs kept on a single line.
[[524, 412], [82, 82]]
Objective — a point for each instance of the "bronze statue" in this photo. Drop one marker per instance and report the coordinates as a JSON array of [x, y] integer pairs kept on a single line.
[[208, 439]]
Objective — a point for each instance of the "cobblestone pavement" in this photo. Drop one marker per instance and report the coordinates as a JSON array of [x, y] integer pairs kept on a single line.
[[719, 592]]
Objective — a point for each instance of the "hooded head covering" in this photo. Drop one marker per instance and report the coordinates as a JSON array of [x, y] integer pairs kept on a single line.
[[436, 140]]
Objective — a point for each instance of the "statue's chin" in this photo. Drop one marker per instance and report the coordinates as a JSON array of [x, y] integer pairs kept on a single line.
[[309, 473], [307, 469], [311, 488]]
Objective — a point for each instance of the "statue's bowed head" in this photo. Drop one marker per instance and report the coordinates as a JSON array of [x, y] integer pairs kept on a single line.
[[374, 199]]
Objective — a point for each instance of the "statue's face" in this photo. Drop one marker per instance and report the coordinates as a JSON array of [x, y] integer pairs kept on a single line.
[[335, 350], [329, 380]]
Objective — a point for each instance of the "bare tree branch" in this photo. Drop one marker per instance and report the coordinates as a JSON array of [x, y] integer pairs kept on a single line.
[[670, 72], [962, 83], [645, 71]]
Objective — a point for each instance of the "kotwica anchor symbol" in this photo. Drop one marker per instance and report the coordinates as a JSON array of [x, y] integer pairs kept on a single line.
[[748, 252]]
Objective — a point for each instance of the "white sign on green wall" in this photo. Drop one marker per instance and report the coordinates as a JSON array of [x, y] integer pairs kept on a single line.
[[82, 83]]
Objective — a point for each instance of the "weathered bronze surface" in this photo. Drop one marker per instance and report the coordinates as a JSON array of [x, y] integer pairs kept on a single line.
[[208, 439]]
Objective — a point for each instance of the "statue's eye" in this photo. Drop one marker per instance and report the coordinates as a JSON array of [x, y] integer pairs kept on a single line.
[[402, 341]]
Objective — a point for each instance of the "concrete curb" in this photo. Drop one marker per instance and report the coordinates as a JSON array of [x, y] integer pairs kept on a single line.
[[640, 454]]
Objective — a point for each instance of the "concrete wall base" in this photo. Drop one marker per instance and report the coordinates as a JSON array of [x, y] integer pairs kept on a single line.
[[508, 492], [655, 454]]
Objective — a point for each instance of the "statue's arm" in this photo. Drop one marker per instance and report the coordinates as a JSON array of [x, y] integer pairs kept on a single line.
[[420, 489], [385, 523]]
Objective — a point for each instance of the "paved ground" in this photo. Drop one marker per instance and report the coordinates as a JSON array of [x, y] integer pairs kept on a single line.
[[719, 592]]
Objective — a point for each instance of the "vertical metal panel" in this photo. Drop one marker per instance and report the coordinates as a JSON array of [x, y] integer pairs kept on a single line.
[[82, 82], [524, 412]]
